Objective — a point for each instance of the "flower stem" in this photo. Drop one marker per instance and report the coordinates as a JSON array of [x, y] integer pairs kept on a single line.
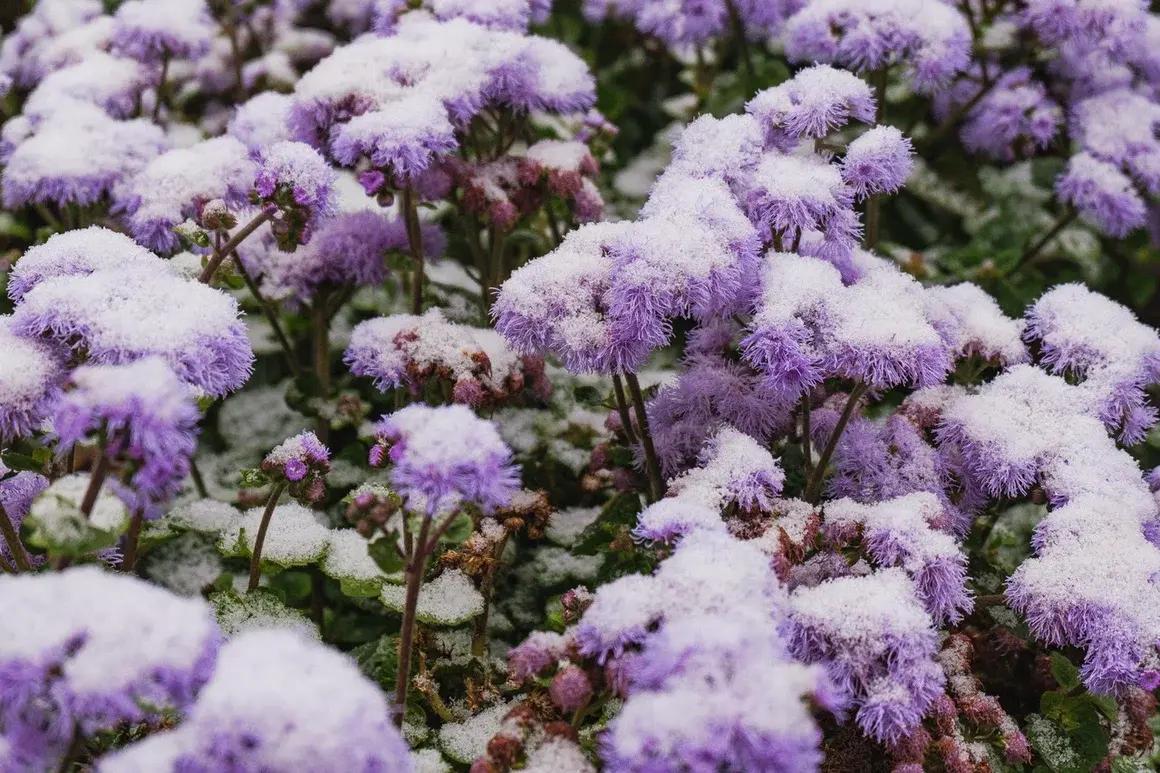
[[815, 486], [622, 409], [416, 566], [219, 256], [129, 560], [256, 554], [743, 46], [410, 208], [479, 638], [1037, 246], [96, 480], [198, 480], [15, 546], [271, 315], [807, 454], [162, 88], [652, 465]]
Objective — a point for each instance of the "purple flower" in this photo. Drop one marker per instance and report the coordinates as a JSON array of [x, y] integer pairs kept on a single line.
[[120, 315], [30, 376], [77, 253], [262, 120], [1102, 194], [879, 161], [1057, 21], [155, 30], [81, 160], [174, 186], [301, 461], [276, 701], [878, 644], [536, 654], [17, 490], [144, 417], [814, 102], [570, 688], [1016, 118], [297, 169], [671, 518], [67, 666], [404, 138], [932, 40], [110, 83], [1129, 142], [790, 195], [727, 147], [511, 15], [444, 457]]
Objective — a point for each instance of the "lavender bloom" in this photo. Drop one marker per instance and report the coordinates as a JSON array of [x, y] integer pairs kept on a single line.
[[120, 315], [408, 351], [1084, 334], [21, 50], [147, 419], [156, 30], [879, 161], [277, 701], [67, 664], [671, 518], [79, 161], [878, 644], [1014, 119], [735, 470], [932, 40], [810, 326], [556, 304], [972, 324], [536, 654], [78, 253], [17, 491], [904, 532], [373, 99], [348, 249], [30, 376], [296, 169], [791, 195], [814, 102], [262, 120], [444, 457], [727, 148], [174, 186], [1057, 21], [302, 461], [1120, 127], [107, 82], [1102, 193], [511, 15]]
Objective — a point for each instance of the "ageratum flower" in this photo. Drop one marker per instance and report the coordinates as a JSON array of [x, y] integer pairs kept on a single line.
[[296, 169], [445, 457], [408, 351], [120, 315], [30, 376], [878, 161], [302, 461], [68, 666], [814, 102], [113, 84], [146, 419], [78, 253], [931, 40], [904, 531], [791, 195], [1120, 127], [684, 23], [81, 160], [878, 645], [1103, 195], [1057, 21], [17, 491], [277, 701], [262, 120], [1083, 334], [174, 186], [735, 470], [155, 30], [1015, 118], [21, 50]]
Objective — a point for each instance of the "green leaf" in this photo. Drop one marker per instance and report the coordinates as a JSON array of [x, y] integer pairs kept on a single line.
[[621, 510], [379, 659], [385, 555], [1064, 671]]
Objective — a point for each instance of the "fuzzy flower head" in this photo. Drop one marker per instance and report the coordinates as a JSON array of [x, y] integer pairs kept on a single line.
[[1015, 119], [30, 376], [789, 196], [1086, 335], [973, 325], [174, 186], [156, 30], [262, 120], [277, 701], [442, 458], [109, 83], [301, 461], [1119, 127], [120, 315], [878, 644], [296, 179], [147, 419], [814, 102], [879, 161], [932, 40], [1103, 195], [76, 253], [68, 666], [735, 470], [408, 351], [79, 161], [18, 490]]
